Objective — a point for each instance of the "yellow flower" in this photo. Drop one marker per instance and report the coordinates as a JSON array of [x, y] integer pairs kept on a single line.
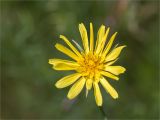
[[91, 65]]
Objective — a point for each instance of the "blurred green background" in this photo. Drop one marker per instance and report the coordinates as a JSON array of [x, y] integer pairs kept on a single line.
[[29, 31]]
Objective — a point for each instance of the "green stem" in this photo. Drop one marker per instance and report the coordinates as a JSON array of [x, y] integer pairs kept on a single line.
[[103, 113]]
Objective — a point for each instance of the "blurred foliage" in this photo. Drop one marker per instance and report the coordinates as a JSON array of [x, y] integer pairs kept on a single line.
[[29, 31]]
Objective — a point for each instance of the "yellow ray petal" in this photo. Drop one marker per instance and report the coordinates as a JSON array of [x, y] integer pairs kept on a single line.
[[111, 62], [68, 80], [114, 69], [66, 51], [76, 88], [97, 94], [100, 36], [109, 88], [70, 45], [91, 38], [114, 53], [89, 84], [107, 74], [59, 64], [109, 45], [84, 37], [104, 40]]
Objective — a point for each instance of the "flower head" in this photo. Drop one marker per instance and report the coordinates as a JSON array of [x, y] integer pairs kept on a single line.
[[91, 66]]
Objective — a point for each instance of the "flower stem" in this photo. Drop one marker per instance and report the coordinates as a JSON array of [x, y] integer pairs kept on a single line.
[[103, 113]]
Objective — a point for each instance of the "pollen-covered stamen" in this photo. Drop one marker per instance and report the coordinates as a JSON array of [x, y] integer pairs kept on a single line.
[[90, 66]]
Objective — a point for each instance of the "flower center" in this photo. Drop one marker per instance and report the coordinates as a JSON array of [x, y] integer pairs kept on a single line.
[[90, 66]]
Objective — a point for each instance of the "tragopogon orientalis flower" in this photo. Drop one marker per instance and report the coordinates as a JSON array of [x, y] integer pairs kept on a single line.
[[92, 65]]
